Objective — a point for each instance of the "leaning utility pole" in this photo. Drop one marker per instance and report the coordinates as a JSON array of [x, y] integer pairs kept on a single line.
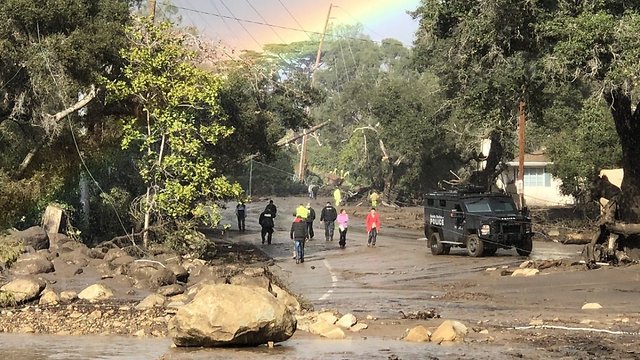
[[520, 181], [303, 150]]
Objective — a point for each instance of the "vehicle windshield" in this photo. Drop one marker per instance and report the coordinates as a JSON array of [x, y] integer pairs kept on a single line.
[[484, 205]]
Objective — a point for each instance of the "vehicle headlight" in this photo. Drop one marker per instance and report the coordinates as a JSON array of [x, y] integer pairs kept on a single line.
[[485, 229]]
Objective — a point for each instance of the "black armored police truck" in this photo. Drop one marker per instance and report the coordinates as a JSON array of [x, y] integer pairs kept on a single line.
[[481, 222]]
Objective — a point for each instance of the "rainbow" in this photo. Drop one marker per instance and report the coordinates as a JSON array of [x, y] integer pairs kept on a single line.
[[250, 24]]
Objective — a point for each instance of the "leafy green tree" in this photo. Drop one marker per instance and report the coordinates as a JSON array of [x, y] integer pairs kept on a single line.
[[589, 146], [50, 52], [384, 129], [486, 57], [490, 55], [596, 42], [179, 122]]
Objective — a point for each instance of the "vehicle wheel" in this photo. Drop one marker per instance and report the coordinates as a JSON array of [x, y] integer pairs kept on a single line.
[[524, 248], [437, 247], [490, 251], [475, 246]]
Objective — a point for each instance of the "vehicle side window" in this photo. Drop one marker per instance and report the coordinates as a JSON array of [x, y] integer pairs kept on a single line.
[[430, 202], [443, 203]]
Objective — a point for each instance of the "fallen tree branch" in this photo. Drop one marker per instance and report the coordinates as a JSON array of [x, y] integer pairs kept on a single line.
[[623, 228], [285, 141], [75, 107]]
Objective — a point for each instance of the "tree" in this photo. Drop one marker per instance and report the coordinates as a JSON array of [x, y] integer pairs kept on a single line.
[[486, 54], [50, 52], [596, 42], [384, 127], [178, 122]]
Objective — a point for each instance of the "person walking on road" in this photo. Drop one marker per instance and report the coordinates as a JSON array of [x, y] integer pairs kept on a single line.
[[266, 221], [374, 198], [310, 218], [343, 224], [337, 196], [302, 211], [328, 216], [241, 214], [313, 191], [298, 234], [271, 207], [372, 222]]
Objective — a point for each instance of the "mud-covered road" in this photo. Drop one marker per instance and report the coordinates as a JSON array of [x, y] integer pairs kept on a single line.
[[400, 274], [537, 317]]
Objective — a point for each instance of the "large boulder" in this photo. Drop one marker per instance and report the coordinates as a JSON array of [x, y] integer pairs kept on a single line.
[[260, 281], [418, 334], [449, 330], [113, 254], [289, 300], [182, 275], [95, 292], [32, 264], [151, 301], [150, 273], [34, 237], [325, 329], [24, 289], [227, 315], [49, 297], [171, 290], [56, 240]]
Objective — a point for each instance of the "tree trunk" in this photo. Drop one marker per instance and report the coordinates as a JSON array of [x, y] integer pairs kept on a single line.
[[628, 127], [487, 176]]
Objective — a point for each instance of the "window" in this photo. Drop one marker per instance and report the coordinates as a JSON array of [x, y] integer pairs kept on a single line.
[[536, 176], [443, 203]]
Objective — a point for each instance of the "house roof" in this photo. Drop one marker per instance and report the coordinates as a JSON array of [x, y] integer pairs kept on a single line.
[[532, 159]]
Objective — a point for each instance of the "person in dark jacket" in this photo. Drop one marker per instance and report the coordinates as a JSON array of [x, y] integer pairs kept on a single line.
[[310, 218], [271, 207], [241, 214], [299, 235], [328, 216], [266, 221]]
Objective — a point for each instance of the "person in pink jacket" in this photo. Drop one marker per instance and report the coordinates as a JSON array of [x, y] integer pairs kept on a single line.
[[343, 224], [372, 222]]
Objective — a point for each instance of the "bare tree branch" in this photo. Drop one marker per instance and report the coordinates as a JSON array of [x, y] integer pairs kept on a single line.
[[75, 107], [285, 141]]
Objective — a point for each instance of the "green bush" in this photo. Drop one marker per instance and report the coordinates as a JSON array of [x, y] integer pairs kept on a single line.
[[7, 299], [10, 250]]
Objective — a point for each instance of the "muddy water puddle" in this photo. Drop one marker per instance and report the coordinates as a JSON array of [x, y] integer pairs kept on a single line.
[[54, 347], [371, 348]]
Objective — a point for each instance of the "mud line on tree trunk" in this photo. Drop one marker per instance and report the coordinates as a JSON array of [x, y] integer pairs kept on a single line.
[[334, 281]]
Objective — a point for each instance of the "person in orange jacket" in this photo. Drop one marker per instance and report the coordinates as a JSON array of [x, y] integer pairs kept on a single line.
[[372, 222]]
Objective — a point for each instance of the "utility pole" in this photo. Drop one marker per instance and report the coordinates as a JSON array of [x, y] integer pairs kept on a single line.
[[250, 175], [303, 151], [520, 181], [324, 32], [152, 10]]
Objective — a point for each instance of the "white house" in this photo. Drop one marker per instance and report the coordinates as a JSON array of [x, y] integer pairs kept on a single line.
[[540, 188]]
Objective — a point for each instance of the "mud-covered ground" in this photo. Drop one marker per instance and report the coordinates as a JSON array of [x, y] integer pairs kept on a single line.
[[537, 317]]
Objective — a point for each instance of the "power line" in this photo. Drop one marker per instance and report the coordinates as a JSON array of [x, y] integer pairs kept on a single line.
[[241, 24], [294, 18], [224, 21], [265, 20], [240, 20]]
